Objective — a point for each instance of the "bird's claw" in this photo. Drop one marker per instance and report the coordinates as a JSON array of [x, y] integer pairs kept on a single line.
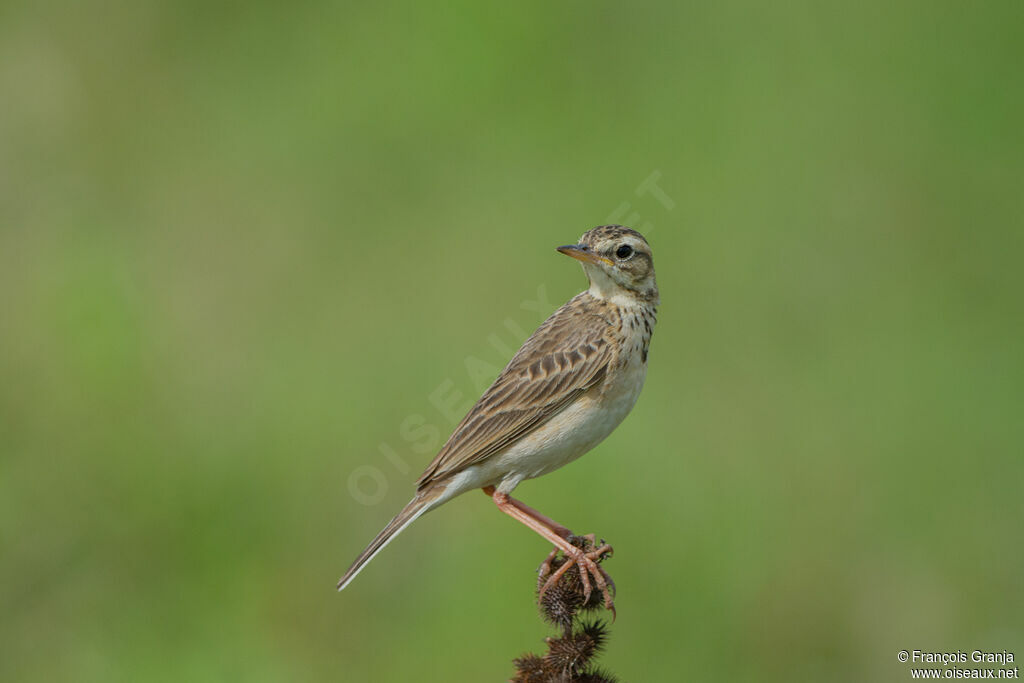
[[587, 565]]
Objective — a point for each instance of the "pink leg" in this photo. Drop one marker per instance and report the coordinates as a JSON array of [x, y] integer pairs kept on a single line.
[[529, 511], [559, 536]]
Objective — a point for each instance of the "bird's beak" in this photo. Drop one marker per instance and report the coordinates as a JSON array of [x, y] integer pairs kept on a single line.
[[583, 253]]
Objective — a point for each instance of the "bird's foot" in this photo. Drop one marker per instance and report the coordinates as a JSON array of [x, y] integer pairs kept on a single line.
[[584, 553]]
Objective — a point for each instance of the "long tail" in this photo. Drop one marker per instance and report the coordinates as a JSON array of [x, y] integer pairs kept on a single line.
[[416, 507]]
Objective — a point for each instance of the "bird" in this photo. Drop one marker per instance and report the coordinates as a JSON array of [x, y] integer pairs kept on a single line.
[[570, 385]]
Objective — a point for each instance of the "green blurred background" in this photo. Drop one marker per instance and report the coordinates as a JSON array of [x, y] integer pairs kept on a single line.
[[243, 245]]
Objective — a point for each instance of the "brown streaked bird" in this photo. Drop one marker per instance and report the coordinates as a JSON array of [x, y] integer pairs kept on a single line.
[[565, 390]]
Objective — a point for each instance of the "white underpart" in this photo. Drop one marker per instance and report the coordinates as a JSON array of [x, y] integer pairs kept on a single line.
[[602, 286]]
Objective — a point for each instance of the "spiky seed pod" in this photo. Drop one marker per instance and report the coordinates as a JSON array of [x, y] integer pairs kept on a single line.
[[561, 602], [530, 669], [571, 581], [596, 676], [595, 632], [568, 657], [573, 651]]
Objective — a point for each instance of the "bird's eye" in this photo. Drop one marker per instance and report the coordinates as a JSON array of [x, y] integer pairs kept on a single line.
[[624, 251]]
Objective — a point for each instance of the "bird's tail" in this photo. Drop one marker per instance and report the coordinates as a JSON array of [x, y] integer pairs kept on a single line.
[[416, 507]]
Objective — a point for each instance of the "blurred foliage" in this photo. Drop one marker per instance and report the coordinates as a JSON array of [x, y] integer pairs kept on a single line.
[[242, 245]]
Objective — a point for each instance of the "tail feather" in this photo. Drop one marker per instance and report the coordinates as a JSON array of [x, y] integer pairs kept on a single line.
[[416, 507]]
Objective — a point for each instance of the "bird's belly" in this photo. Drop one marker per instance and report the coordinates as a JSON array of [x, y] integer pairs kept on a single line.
[[570, 433]]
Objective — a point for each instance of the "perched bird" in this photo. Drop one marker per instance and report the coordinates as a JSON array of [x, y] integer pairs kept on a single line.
[[568, 387]]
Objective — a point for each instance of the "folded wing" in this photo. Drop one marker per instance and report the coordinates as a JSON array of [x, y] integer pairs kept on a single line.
[[566, 357]]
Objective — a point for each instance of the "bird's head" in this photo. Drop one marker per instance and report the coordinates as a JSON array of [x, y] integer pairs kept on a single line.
[[617, 260]]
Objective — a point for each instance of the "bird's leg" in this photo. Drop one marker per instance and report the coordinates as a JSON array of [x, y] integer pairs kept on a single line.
[[526, 509], [545, 567], [559, 536], [602, 548]]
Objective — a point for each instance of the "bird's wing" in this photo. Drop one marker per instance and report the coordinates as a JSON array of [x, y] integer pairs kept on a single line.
[[567, 355]]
